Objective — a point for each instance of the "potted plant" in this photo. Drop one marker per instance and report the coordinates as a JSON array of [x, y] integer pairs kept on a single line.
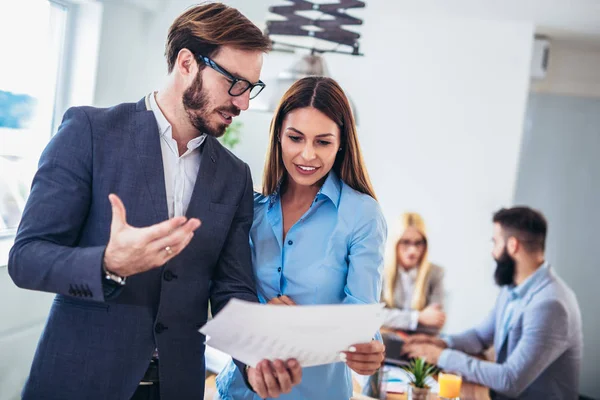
[[418, 371], [232, 135]]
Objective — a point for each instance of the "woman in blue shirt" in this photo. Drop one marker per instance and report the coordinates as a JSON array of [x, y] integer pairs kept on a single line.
[[318, 235]]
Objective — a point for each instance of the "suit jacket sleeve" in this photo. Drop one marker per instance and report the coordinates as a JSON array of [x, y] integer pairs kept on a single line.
[[475, 340], [234, 275], [543, 339], [45, 255]]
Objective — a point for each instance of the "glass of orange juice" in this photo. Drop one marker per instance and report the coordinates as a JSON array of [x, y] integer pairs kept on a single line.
[[450, 384]]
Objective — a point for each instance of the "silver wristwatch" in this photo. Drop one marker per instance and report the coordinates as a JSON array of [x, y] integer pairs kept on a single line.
[[113, 277]]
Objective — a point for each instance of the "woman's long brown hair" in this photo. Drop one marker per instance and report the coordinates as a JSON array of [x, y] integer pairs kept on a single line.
[[325, 95]]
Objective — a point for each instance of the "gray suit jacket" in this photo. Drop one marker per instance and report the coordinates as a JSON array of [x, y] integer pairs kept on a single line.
[[434, 288], [539, 357], [96, 346], [400, 318]]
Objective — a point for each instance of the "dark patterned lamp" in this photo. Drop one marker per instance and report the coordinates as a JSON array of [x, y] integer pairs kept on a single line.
[[328, 27]]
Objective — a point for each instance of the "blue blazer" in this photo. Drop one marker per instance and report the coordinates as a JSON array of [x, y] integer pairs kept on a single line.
[[540, 355], [96, 346]]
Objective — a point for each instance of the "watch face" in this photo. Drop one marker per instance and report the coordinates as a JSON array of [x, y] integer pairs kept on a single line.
[[115, 278]]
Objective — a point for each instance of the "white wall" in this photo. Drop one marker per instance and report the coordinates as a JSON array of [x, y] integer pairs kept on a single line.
[[23, 314], [573, 70], [446, 143], [123, 54]]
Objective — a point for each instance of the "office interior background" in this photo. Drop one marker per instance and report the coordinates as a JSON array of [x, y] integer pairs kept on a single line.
[[463, 107]]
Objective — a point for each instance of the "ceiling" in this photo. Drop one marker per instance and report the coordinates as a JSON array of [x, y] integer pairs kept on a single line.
[[570, 20], [565, 20], [577, 21]]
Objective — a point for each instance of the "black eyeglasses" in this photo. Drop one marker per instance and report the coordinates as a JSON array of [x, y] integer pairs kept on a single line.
[[239, 86], [419, 244]]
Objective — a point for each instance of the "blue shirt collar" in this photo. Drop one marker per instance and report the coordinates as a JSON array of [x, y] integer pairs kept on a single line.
[[331, 189], [521, 290]]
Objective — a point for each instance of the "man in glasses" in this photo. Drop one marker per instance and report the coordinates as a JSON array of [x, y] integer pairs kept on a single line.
[[133, 287]]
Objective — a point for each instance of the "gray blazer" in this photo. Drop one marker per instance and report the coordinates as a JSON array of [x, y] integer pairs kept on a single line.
[[539, 357], [400, 318], [434, 288], [97, 345]]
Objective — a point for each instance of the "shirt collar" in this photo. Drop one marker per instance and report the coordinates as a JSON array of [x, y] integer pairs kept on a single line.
[[161, 120], [164, 126], [411, 273], [521, 290], [331, 189]]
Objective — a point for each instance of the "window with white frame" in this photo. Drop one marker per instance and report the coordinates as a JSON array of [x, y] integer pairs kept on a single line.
[[32, 38]]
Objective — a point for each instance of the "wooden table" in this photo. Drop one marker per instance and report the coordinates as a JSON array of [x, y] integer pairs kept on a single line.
[[210, 388], [469, 391]]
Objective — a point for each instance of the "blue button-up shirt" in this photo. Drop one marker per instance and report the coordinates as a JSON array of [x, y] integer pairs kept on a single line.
[[332, 255], [516, 294]]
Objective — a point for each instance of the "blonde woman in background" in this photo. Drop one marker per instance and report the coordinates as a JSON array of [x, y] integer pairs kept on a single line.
[[413, 286]]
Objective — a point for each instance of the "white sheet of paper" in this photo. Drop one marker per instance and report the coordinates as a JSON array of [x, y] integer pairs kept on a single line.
[[313, 335]]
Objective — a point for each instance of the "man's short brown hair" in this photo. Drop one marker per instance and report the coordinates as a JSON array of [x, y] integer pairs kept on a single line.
[[204, 28]]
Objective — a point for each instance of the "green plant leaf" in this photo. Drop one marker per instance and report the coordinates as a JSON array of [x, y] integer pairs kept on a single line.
[[419, 371], [232, 135]]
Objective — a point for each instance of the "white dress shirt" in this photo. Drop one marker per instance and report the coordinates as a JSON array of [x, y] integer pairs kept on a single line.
[[407, 282], [403, 317], [180, 171]]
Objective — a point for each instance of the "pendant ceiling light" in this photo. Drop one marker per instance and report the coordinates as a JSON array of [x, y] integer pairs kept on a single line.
[[327, 26]]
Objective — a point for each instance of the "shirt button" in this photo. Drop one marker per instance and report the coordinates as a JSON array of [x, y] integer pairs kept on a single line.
[[279, 269], [290, 242], [160, 328]]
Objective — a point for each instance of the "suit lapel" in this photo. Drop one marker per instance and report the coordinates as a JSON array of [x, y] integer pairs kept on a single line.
[[520, 307], [543, 281], [146, 141]]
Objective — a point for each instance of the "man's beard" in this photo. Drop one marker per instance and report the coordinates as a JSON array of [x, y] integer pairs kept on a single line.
[[195, 103], [505, 269]]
